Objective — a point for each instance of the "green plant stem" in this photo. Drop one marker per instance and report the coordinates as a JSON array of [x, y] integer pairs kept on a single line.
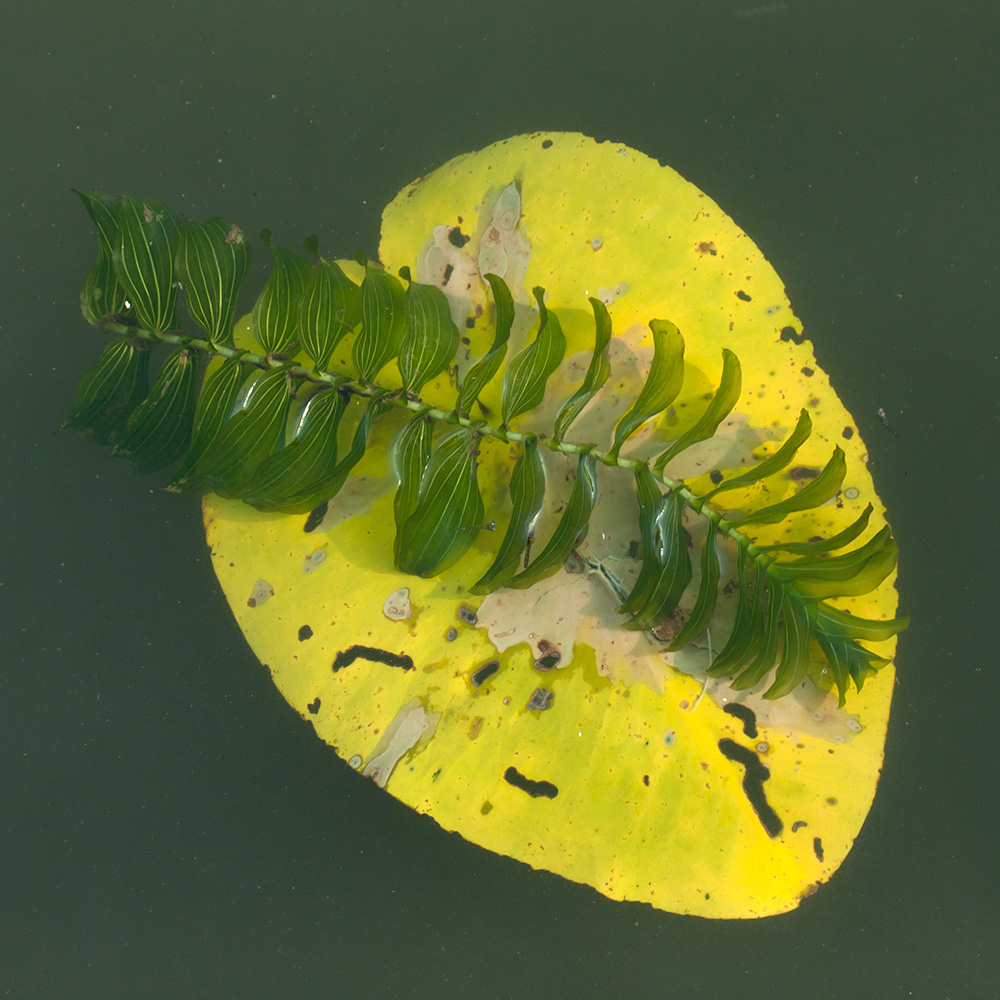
[[716, 520]]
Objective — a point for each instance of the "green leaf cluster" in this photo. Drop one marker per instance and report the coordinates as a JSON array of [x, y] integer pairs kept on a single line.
[[267, 429]]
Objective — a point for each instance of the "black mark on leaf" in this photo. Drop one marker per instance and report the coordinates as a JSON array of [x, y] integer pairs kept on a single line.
[[348, 656], [753, 784], [535, 789], [485, 672], [746, 716]]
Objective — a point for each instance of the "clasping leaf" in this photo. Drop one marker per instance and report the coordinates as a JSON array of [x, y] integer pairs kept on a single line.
[[597, 372], [477, 377], [571, 529], [300, 475], [383, 323], [327, 311], [824, 487], [723, 401], [431, 338], [159, 429], [526, 375], [276, 311], [143, 260], [211, 263], [449, 508], [527, 491], [110, 390], [666, 375]]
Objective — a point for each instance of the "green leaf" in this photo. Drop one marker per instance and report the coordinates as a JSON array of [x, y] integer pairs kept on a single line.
[[824, 487], [744, 638], [276, 311], [301, 475], [723, 401], [383, 323], [666, 375], [249, 436], [835, 623], [527, 491], [327, 311], [211, 263], [143, 261], [159, 429], [375, 407], [431, 338], [848, 661], [831, 544], [102, 294], [661, 593], [104, 210], [219, 396], [846, 575], [649, 493], [110, 390], [708, 592], [529, 370], [479, 375], [778, 461], [767, 637], [449, 509], [597, 372], [411, 451], [796, 631], [571, 529]]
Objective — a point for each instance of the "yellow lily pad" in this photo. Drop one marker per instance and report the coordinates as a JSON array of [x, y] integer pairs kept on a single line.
[[530, 721]]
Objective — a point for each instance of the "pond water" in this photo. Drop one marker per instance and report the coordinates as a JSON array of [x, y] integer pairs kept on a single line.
[[172, 828]]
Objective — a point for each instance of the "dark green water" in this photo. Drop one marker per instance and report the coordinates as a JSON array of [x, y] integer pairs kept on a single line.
[[170, 828]]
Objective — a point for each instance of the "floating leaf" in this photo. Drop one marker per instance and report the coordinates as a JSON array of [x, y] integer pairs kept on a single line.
[[496, 713]]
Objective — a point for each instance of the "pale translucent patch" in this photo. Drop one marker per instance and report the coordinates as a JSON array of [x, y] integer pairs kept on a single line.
[[313, 561], [355, 499], [498, 247], [397, 605], [608, 295], [262, 592], [411, 724]]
